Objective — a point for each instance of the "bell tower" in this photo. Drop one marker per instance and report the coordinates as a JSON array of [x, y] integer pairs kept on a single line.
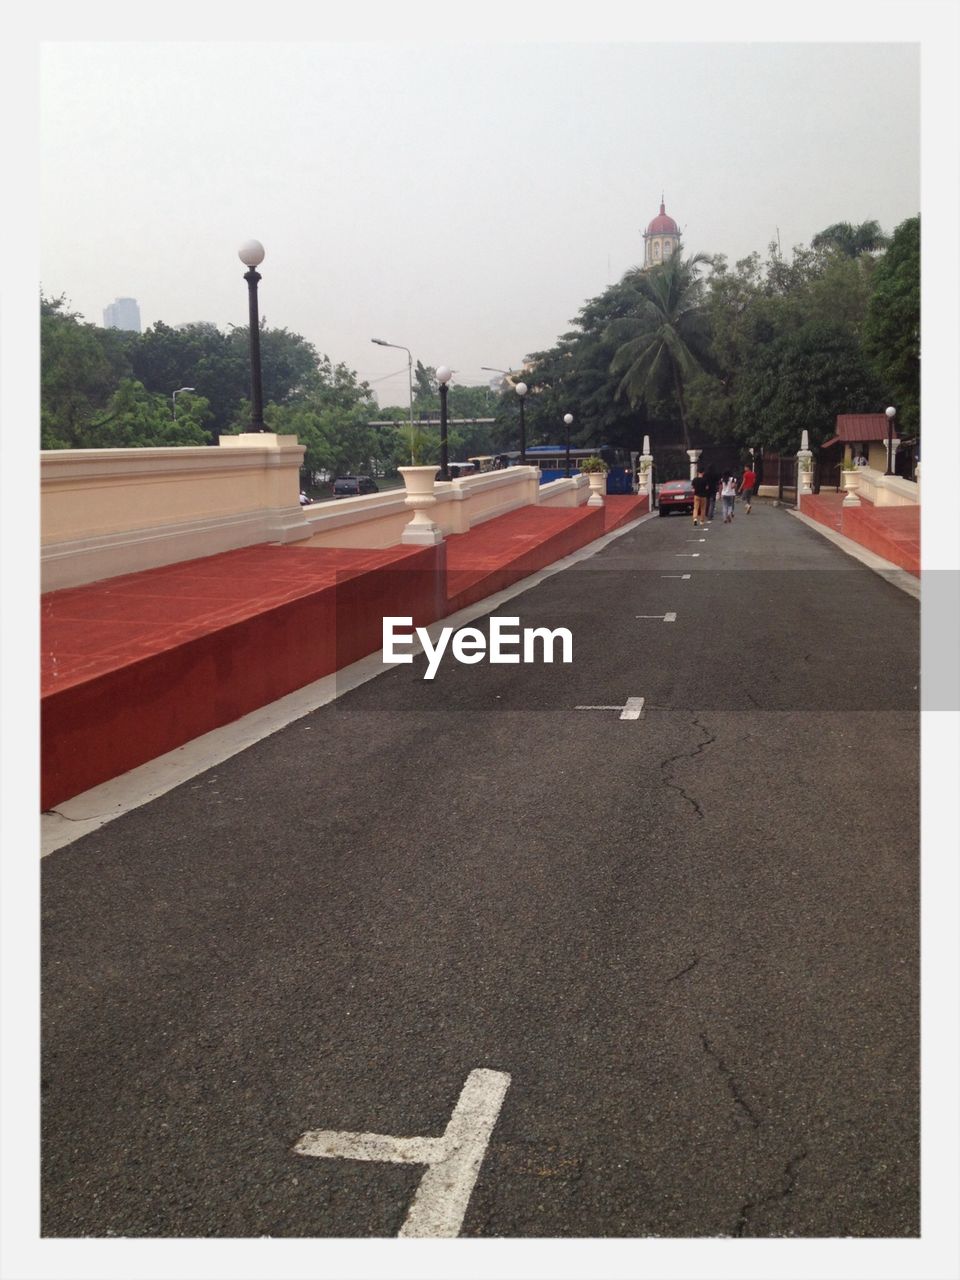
[[661, 240]]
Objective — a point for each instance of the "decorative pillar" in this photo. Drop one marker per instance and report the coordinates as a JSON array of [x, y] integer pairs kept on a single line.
[[694, 456], [804, 467], [646, 472], [419, 483]]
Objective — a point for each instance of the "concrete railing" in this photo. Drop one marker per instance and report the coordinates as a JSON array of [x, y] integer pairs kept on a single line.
[[106, 512], [378, 519], [886, 491]]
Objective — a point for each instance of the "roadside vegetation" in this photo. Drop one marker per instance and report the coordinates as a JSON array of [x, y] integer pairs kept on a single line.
[[749, 354]]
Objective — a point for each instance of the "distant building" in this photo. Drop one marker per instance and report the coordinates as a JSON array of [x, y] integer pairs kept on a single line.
[[122, 313], [661, 240]]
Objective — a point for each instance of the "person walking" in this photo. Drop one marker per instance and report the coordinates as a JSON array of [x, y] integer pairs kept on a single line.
[[713, 480], [700, 490], [728, 496], [748, 486]]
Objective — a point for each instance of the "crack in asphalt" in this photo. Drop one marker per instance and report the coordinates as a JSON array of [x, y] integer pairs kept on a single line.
[[788, 1180], [688, 755], [692, 965], [732, 1083]]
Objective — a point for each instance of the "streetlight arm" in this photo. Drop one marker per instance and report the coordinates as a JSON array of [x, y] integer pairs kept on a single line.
[[399, 347]]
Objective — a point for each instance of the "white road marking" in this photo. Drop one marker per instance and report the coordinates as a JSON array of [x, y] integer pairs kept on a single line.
[[696, 539], [453, 1161], [662, 617], [681, 576], [629, 711], [687, 555], [632, 709]]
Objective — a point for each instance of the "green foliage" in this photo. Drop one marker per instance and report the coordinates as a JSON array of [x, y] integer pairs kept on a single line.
[[892, 329], [850, 241], [592, 465], [195, 355], [330, 418], [665, 340], [80, 367]]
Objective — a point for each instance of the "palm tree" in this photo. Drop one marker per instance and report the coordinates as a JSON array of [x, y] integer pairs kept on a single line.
[[666, 340], [851, 241]]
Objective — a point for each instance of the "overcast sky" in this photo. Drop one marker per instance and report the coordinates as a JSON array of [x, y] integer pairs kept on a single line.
[[462, 200]]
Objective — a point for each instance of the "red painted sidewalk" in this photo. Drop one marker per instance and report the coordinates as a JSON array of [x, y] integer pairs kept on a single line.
[[134, 666], [890, 532]]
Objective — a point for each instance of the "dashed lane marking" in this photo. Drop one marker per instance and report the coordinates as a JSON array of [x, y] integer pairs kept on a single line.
[[682, 576], [629, 711], [687, 555], [662, 617], [453, 1160]]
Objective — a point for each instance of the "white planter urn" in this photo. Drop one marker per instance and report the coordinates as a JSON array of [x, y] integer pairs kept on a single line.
[[850, 480], [598, 486], [419, 483]]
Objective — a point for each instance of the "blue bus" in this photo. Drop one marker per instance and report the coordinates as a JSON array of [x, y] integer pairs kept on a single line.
[[552, 461]]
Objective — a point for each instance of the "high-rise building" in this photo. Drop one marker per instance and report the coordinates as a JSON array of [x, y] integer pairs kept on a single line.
[[122, 313]]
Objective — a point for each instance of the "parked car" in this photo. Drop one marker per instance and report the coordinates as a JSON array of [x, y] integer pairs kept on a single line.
[[353, 486], [675, 495]]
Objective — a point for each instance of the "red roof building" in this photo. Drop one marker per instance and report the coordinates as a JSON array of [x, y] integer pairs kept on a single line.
[[858, 428], [661, 240]]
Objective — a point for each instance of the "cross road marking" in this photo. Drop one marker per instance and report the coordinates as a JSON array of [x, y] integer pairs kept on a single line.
[[664, 617], [629, 711], [682, 576], [453, 1160]]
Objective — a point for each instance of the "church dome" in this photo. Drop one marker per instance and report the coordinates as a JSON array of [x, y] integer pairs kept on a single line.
[[663, 224]]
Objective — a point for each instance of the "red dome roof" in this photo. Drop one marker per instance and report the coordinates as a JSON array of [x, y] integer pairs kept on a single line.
[[662, 224]]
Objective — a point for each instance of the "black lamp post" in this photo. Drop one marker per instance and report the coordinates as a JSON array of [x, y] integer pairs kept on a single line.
[[521, 390], [251, 255], [568, 419], [891, 414], [443, 377]]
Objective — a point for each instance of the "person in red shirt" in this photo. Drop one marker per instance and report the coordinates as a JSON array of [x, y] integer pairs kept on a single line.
[[747, 486]]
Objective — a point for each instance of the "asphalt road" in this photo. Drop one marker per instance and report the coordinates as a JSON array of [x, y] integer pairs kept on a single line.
[[691, 939]]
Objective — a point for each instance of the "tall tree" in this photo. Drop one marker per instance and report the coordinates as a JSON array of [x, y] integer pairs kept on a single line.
[[851, 241], [666, 341], [892, 329]]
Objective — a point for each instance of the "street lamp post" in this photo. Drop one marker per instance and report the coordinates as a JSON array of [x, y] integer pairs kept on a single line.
[[396, 345], [568, 419], [443, 377], [178, 391], [521, 390], [891, 414], [251, 254]]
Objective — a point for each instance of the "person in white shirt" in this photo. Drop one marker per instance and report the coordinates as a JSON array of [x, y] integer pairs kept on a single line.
[[728, 495]]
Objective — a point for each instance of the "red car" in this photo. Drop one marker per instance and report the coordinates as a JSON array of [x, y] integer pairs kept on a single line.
[[676, 495]]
